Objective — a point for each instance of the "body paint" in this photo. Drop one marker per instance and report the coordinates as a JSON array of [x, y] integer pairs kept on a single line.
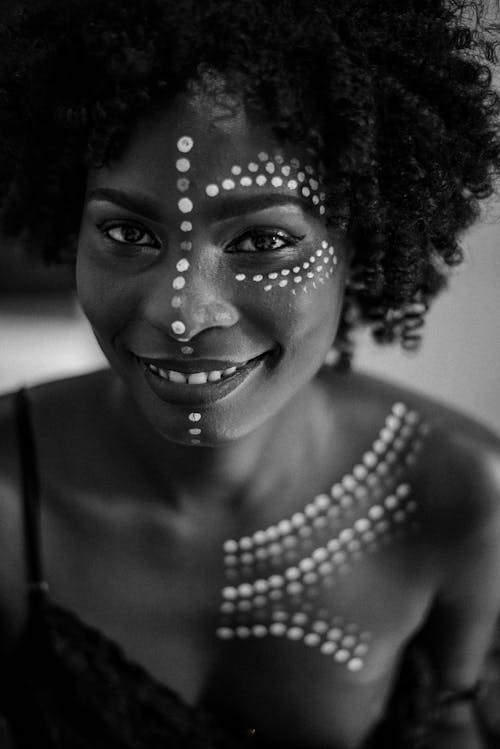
[[284, 567]]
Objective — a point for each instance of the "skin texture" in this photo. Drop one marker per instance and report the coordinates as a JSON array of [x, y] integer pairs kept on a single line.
[[143, 530], [198, 278]]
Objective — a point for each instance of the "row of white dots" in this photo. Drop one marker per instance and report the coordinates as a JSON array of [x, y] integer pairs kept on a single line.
[[185, 205], [324, 560], [342, 492]]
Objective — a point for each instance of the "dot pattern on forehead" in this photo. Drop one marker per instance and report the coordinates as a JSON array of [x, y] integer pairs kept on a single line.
[[273, 171], [276, 575], [311, 273]]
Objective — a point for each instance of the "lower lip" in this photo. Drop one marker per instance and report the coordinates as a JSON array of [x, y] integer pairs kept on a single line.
[[182, 393]]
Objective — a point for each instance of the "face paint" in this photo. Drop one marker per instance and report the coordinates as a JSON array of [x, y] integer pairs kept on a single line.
[[305, 277], [273, 172], [193, 293], [185, 206]]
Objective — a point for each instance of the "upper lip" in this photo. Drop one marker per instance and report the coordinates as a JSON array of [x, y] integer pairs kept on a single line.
[[195, 365]]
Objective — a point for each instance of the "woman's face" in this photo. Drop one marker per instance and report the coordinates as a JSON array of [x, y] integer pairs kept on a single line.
[[207, 272]]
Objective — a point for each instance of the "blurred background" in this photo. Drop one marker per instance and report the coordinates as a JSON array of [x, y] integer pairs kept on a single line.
[[44, 335]]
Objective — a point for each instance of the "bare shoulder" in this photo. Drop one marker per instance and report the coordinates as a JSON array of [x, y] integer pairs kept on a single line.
[[55, 408], [458, 472]]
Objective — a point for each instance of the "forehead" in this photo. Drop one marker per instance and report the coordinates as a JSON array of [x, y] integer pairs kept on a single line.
[[223, 142]]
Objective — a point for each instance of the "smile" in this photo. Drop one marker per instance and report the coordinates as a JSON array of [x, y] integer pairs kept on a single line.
[[200, 386], [194, 378]]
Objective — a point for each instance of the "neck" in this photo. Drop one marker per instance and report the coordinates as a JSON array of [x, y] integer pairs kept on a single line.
[[237, 473]]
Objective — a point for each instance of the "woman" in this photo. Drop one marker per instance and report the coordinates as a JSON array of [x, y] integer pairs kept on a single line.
[[243, 544]]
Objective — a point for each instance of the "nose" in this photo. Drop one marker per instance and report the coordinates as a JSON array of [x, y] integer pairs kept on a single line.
[[184, 306]]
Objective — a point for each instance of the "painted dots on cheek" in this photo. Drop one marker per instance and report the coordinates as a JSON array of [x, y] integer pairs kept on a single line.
[[305, 277]]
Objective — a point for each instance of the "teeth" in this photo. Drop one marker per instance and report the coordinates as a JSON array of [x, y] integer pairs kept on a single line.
[[176, 377], [195, 378]]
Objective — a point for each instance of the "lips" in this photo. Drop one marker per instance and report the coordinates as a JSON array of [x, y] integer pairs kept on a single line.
[[196, 381]]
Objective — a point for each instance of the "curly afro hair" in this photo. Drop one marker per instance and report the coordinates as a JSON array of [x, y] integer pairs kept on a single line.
[[396, 95]]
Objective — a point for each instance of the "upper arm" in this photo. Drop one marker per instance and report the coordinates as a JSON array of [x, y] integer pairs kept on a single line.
[[466, 607], [12, 561]]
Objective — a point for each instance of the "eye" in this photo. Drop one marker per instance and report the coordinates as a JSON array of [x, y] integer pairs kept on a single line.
[[129, 234], [270, 240]]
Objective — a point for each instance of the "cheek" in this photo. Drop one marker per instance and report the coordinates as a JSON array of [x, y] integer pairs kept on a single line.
[[106, 299], [300, 299]]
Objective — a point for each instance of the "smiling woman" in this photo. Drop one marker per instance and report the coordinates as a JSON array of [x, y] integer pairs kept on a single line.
[[229, 537]]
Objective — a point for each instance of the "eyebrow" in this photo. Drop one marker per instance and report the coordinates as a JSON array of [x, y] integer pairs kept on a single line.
[[224, 207]]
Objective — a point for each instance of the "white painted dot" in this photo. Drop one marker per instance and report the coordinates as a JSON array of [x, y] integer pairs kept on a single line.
[[258, 630], [263, 156], [285, 272], [292, 184], [276, 181], [272, 276], [183, 165], [183, 184], [270, 167], [310, 275], [297, 279], [228, 184], [185, 144], [278, 629], [355, 664], [261, 180], [176, 302], [268, 287], [179, 282], [295, 633], [240, 277], [229, 593], [313, 184], [236, 169], [185, 205], [258, 277], [225, 633], [315, 199], [341, 656], [322, 210], [285, 170], [253, 167], [246, 181], [312, 639], [328, 648], [182, 265], [301, 176], [178, 327], [194, 416], [212, 190], [283, 283], [186, 244], [195, 431], [186, 226], [305, 192]]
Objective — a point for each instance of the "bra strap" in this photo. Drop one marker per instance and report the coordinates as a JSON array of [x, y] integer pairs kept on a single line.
[[30, 483]]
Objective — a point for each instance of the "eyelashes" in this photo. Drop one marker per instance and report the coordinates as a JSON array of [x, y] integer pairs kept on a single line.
[[252, 241], [132, 235], [263, 241]]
